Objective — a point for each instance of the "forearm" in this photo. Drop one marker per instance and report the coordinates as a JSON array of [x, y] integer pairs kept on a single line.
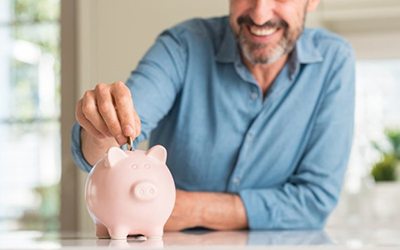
[[93, 149], [221, 211]]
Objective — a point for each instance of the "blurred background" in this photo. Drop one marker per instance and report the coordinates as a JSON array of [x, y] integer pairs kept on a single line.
[[51, 51]]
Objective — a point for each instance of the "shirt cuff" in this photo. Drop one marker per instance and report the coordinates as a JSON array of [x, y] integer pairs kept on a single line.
[[259, 216], [76, 150]]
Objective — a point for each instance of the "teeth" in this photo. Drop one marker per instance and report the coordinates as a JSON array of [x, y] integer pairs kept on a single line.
[[262, 31]]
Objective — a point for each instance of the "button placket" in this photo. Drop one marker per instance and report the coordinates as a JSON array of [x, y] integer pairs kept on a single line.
[[236, 180], [254, 101], [254, 95]]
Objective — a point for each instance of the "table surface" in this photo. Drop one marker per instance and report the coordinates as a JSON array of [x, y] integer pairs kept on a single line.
[[202, 239]]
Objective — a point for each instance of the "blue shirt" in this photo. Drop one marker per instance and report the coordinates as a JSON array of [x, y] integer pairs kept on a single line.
[[284, 154]]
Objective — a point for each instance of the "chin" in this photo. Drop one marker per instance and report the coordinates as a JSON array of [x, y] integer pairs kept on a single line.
[[266, 57]]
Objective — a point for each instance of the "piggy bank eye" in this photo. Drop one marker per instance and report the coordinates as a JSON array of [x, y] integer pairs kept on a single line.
[[147, 166], [134, 166]]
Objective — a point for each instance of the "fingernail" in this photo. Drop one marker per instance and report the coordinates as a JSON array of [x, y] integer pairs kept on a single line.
[[128, 130], [121, 139]]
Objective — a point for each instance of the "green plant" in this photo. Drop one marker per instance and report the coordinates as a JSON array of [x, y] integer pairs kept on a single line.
[[386, 168]]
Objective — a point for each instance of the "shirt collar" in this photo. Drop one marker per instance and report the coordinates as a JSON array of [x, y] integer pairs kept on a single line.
[[305, 51]]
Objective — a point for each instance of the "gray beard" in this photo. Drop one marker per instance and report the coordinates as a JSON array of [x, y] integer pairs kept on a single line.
[[274, 54], [284, 47]]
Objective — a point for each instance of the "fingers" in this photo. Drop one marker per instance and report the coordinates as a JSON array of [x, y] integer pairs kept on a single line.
[[90, 111], [105, 105], [107, 111], [85, 123], [124, 106]]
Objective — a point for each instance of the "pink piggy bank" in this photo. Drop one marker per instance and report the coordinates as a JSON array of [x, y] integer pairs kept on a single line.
[[130, 192]]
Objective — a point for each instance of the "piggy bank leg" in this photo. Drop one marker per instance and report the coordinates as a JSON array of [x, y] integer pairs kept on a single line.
[[154, 233], [118, 233], [101, 231]]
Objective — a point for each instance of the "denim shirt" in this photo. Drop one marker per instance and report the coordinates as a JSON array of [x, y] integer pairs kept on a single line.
[[284, 154]]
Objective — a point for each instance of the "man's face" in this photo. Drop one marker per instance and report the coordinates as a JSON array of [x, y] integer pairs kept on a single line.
[[268, 29]]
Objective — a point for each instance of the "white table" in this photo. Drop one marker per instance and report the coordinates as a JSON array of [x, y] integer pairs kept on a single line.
[[327, 239]]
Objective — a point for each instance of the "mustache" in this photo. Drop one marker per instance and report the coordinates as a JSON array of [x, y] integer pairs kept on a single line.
[[274, 23]]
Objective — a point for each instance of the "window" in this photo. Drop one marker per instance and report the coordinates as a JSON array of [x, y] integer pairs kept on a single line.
[[29, 114], [377, 109]]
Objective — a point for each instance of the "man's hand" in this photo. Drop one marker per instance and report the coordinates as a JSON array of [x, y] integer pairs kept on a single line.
[[107, 117], [218, 211]]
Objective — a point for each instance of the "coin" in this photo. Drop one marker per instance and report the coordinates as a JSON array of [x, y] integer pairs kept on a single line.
[[130, 143]]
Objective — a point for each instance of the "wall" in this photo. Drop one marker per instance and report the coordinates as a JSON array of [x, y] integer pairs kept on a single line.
[[115, 34]]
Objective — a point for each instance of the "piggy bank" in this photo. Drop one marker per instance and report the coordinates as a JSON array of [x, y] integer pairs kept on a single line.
[[130, 192]]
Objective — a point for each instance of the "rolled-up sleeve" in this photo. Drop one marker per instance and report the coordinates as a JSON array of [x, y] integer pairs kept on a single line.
[[312, 192], [76, 151]]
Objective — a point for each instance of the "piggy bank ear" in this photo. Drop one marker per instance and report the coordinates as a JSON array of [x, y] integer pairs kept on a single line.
[[158, 152], [114, 155]]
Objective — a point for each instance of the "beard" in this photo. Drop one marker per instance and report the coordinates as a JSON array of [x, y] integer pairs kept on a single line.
[[267, 53]]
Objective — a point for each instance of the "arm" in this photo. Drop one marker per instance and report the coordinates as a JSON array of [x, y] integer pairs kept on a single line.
[[217, 211], [109, 113]]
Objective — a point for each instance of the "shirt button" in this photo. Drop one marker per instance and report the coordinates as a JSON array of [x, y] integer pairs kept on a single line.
[[236, 180], [254, 95], [250, 135]]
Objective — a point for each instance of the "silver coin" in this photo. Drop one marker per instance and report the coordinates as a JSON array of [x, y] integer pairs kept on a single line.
[[130, 143]]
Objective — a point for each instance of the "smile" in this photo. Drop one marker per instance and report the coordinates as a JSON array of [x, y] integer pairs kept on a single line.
[[257, 31]]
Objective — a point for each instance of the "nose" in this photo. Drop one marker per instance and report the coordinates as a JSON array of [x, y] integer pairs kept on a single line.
[[262, 11], [145, 191]]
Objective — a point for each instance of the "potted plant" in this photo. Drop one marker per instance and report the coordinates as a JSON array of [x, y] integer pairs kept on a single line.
[[385, 172], [386, 169]]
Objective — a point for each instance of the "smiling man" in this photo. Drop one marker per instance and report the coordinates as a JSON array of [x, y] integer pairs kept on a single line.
[[256, 113]]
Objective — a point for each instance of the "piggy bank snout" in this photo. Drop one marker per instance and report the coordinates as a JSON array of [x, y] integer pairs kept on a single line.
[[145, 191]]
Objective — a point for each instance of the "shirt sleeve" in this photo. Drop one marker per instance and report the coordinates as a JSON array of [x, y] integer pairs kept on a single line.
[[311, 193], [76, 151], [154, 85]]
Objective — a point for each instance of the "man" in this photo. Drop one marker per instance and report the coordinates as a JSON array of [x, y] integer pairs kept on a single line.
[[255, 112]]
